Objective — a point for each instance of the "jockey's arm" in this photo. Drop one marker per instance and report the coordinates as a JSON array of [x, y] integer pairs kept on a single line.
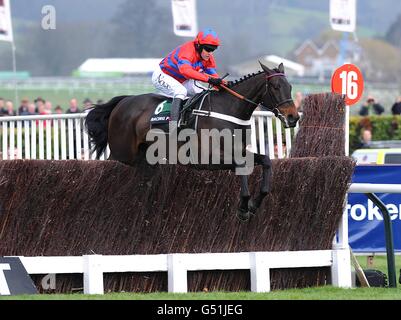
[[212, 72], [189, 72]]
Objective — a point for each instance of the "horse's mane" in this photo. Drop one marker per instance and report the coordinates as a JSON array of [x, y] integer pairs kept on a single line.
[[247, 77]]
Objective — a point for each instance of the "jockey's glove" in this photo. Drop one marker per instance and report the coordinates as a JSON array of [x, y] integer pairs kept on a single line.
[[215, 81]]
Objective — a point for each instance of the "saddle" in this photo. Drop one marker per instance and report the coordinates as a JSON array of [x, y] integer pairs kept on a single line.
[[161, 116]]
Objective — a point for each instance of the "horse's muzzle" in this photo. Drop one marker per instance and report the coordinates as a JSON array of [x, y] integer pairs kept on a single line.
[[291, 121]]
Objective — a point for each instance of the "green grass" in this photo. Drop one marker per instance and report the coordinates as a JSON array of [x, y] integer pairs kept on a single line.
[[321, 293], [380, 263], [63, 96]]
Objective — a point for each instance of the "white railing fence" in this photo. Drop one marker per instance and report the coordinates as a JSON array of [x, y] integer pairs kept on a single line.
[[177, 266], [62, 137], [269, 136], [45, 137]]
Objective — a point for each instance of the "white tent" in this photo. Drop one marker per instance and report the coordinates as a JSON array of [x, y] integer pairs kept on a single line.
[[119, 65], [294, 67]]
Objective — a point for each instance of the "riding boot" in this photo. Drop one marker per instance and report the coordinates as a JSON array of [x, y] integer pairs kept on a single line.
[[175, 113]]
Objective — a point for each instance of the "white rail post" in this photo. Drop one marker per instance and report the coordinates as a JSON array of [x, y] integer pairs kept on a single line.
[[27, 140], [288, 142], [71, 145], [12, 141], [93, 274], [19, 139], [177, 274], [5, 140], [78, 146], [343, 226], [260, 273], [86, 145], [41, 140], [56, 155], [48, 128], [63, 137], [341, 268], [270, 137], [261, 135], [279, 137], [33, 140]]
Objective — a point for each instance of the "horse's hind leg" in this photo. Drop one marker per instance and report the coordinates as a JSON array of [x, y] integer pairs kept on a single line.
[[243, 211], [265, 187]]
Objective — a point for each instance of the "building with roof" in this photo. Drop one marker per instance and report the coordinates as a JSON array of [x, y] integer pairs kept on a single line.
[[318, 61]]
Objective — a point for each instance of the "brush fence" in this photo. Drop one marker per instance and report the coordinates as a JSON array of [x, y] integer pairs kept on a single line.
[[177, 265], [61, 137]]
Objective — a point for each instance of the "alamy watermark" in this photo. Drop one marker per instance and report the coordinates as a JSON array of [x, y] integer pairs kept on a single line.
[[49, 282], [209, 147], [49, 18]]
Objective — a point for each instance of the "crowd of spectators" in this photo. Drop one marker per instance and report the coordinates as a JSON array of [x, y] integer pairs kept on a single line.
[[372, 107], [40, 106], [369, 107], [396, 108]]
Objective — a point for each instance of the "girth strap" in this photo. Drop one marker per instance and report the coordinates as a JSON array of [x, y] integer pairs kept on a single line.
[[204, 113]]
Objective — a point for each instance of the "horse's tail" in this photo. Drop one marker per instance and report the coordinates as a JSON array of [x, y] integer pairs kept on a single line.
[[97, 124]]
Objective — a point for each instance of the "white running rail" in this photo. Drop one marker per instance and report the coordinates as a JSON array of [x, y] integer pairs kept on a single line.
[[177, 266], [62, 137]]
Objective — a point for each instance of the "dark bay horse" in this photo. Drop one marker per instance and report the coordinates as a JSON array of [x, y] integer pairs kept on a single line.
[[124, 123]]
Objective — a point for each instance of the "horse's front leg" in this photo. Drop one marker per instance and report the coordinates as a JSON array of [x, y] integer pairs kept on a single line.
[[243, 210], [266, 163]]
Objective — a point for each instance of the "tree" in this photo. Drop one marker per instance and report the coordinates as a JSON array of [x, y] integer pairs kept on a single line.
[[143, 29], [393, 34]]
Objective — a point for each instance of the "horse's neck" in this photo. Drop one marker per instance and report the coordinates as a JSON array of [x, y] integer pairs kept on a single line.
[[252, 89]]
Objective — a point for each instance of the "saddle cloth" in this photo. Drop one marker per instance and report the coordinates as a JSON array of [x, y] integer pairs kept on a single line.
[[162, 113], [161, 116]]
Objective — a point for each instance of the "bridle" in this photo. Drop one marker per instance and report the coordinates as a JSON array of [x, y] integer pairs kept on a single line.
[[275, 110], [268, 91]]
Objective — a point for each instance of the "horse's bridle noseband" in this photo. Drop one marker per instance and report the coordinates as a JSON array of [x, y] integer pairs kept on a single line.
[[275, 109]]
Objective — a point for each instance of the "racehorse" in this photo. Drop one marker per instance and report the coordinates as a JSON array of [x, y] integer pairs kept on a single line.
[[124, 123]]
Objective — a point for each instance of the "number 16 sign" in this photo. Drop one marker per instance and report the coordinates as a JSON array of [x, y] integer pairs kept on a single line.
[[348, 80]]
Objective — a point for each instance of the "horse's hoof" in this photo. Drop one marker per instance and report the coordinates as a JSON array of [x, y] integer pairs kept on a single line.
[[252, 207], [243, 215]]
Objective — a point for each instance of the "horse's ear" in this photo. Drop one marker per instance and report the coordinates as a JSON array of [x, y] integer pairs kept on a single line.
[[281, 68], [265, 69]]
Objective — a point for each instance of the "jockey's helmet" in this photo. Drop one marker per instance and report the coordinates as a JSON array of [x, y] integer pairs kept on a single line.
[[207, 37]]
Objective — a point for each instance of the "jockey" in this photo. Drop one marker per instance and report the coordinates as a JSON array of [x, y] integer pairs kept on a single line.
[[176, 74]]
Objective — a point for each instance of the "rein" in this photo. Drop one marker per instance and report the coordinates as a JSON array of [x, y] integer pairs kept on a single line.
[[275, 110]]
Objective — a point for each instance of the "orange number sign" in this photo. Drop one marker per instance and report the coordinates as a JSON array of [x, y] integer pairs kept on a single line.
[[348, 80]]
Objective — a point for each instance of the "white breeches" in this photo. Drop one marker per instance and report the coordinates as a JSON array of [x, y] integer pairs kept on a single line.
[[170, 87]]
